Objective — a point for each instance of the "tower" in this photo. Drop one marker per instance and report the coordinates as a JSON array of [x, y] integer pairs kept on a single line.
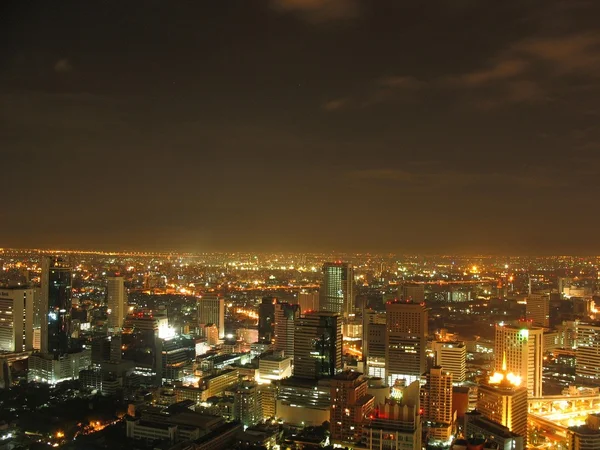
[[350, 405], [16, 319], [318, 345], [56, 307], [436, 401], [211, 310], [285, 317], [538, 310], [117, 303], [337, 291], [406, 339], [452, 356], [266, 320]]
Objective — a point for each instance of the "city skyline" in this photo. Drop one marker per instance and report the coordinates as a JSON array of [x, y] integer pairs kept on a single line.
[[302, 125]]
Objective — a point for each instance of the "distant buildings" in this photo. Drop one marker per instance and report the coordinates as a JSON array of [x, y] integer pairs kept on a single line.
[[538, 310], [406, 340], [337, 290], [211, 310], [117, 303]]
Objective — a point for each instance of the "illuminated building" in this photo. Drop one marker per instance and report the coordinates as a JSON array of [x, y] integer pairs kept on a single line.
[[350, 404], [45, 368], [302, 402], [318, 345], [452, 356], [538, 310], [406, 340], [504, 400], [176, 356], [395, 425], [266, 320], [211, 310], [587, 353], [211, 333], [117, 303], [285, 317], [308, 300], [436, 403], [522, 345], [475, 425], [56, 304], [216, 384], [275, 366], [106, 348], [373, 343], [412, 292], [337, 291], [247, 405], [16, 319]]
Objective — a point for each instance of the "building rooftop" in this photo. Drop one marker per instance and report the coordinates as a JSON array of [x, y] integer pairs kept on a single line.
[[584, 429]]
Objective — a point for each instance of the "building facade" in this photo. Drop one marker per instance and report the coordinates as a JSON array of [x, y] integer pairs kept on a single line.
[[337, 291]]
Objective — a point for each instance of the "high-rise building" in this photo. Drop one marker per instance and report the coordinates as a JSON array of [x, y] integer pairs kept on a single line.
[[211, 310], [477, 427], [585, 437], [587, 353], [308, 300], [266, 320], [503, 399], [16, 319], [406, 340], [538, 310], [412, 292], [436, 402], [56, 305], [303, 402], [374, 342], [117, 303], [395, 426], [247, 404], [318, 345], [452, 356], [337, 291], [350, 405], [522, 346], [285, 318]]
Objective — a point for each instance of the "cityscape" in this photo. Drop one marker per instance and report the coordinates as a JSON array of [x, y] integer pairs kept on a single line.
[[298, 351], [300, 225]]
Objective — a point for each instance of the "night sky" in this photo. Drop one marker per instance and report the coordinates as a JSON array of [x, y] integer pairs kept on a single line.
[[304, 125]]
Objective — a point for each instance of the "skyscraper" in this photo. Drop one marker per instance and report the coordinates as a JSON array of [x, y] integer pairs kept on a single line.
[[117, 303], [587, 353], [285, 317], [452, 356], [337, 291], [412, 292], [406, 340], [16, 319], [56, 304], [538, 309], [436, 402], [266, 320], [374, 342], [211, 310], [308, 300], [350, 405], [522, 346], [318, 345]]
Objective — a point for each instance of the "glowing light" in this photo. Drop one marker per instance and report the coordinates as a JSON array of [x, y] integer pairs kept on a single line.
[[511, 378]]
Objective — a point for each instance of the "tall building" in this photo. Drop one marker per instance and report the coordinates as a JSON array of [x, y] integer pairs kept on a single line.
[[406, 340], [211, 310], [587, 353], [452, 356], [337, 291], [412, 292], [350, 405], [285, 318], [503, 399], [247, 404], [308, 300], [373, 343], [266, 320], [117, 303], [395, 426], [436, 403], [522, 346], [538, 310], [16, 319], [476, 427], [56, 307], [318, 345]]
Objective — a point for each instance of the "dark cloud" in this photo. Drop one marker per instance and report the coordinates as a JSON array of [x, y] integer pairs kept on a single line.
[[319, 11]]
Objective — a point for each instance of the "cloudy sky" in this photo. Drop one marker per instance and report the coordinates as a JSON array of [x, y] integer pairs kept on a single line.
[[383, 125]]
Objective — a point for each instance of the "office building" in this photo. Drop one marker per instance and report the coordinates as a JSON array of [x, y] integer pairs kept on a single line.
[[16, 319], [452, 356], [522, 347], [538, 310], [248, 405], [337, 291], [117, 303], [56, 306], [318, 345], [350, 405], [266, 320], [176, 356], [308, 300], [303, 402], [395, 425], [275, 366], [211, 310], [406, 340], [373, 343], [412, 293], [476, 426], [285, 317], [50, 369], [587, 353], [585, 437], [436, 403]]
